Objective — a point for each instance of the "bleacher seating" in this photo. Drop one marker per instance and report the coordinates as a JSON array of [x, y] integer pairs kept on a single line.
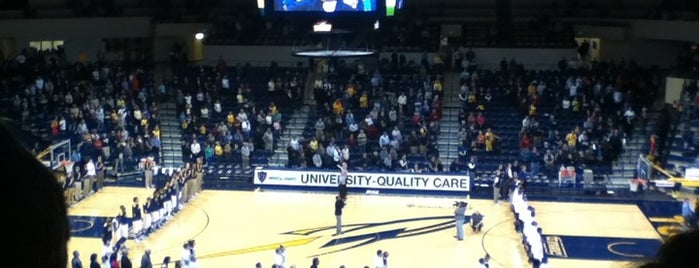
[[684, 139], [250, 84], [417, 129], [544, 97], [95, 105], [79, 97]]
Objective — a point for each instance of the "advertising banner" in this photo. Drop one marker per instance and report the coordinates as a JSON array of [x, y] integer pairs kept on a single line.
[[368, 180]]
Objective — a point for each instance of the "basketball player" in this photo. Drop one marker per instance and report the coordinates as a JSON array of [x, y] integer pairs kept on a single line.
[[136, 209], [136, 217], [280, 257], [342, 181], [378, 260]]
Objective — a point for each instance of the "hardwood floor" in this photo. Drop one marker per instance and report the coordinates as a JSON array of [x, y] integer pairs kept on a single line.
[[239, 229]]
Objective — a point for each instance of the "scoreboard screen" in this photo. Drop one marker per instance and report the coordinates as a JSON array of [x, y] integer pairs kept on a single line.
[[392, 6], [325, 6]]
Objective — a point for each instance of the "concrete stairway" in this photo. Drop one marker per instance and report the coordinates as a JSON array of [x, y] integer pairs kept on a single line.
[[447, 141], [294, 128], [636, 145], [170, 136], [297, 122]]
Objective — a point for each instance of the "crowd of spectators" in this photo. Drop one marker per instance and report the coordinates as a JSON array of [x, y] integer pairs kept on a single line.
[[386, 119], [108, 110], [235, 114], [685, 112], [572, 117]]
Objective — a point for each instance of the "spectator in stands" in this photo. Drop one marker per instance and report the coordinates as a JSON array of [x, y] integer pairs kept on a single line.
[[435, 164], [246, 151], [572, 138], [384, 140], [214, 152], [361, 140], [320, 128], [480, 120], [317, 159], [479, 141], [653, 146], [338, 107], [195, 149], [268, 139]]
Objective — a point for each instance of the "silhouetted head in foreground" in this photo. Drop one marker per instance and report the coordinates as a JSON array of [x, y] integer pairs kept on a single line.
[[677, 252], [41, 212]]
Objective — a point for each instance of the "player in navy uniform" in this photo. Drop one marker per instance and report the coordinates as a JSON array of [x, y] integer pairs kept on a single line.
[[136, 210]]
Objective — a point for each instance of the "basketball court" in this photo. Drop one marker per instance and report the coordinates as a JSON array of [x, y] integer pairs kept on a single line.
[[241, 228]]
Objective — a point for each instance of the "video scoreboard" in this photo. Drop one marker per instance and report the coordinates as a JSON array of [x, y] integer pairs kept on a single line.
[[331, 8]]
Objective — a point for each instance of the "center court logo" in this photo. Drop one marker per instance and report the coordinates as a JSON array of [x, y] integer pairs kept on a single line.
[[355, 235], [362, 234]]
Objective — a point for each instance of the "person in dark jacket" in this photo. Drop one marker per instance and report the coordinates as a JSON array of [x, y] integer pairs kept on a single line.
[[94, 261], [477, 222], [339, 205], [125, 260], [145, 259]]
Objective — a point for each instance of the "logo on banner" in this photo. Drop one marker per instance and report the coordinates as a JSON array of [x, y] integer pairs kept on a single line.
[[262, 176]]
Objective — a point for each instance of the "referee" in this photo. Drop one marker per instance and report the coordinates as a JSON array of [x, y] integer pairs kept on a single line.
[[342, 182]]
